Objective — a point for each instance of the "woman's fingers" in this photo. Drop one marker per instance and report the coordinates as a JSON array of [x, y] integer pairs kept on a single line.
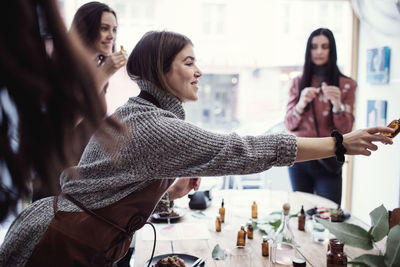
[[360, 142], [379, 129]]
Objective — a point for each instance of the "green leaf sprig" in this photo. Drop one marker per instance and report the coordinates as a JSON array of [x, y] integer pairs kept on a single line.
[[356, 236]]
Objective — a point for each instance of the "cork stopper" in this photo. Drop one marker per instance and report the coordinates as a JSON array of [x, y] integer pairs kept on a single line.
[[286, 208]]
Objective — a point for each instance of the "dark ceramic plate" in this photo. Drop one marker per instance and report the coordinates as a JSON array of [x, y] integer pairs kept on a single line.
[[313, 211], [155, 217], [188, 259]]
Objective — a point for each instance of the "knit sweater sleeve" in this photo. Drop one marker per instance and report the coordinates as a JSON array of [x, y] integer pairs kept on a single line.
[[170, 147]]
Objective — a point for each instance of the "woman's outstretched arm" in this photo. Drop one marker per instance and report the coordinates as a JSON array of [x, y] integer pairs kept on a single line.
[[360, 142]]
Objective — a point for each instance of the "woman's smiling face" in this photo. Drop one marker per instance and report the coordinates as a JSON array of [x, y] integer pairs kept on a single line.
[[183, 76]]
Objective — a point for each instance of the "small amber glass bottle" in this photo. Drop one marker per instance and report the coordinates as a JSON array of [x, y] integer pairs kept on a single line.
[[254, 210], [250, 230], [395, 125], [218, 224], [241, 237], [336, 256], [301, 219], [265, 246], [222, 211]]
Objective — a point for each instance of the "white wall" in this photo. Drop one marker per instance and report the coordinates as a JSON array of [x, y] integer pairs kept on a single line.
[[376, 178]]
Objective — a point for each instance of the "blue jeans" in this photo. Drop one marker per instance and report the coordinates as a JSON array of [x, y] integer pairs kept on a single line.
[[312, 177]]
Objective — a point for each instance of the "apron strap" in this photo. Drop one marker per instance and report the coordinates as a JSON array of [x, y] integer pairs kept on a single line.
[[93, 214]]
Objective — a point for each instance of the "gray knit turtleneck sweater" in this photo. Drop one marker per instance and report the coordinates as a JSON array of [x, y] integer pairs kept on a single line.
[[158, 144]]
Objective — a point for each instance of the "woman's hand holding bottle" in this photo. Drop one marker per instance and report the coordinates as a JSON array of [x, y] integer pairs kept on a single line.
[[307, 95], [361, 142], [333, 94]]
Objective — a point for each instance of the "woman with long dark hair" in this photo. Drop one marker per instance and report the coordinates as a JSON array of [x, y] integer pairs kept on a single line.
[[109, 196], [96, 24], [321, 100]]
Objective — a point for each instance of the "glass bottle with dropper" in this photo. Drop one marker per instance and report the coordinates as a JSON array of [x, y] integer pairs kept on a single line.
[[222, 211]]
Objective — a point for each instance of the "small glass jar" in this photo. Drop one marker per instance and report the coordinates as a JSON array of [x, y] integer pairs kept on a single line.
[[299, 262]]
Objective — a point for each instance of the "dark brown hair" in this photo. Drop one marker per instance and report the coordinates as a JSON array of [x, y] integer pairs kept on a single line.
[[333, 70], [87, 22], [48, 94], [153, 55]]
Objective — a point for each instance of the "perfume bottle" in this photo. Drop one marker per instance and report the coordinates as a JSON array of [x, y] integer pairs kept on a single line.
[[395, 125], [265, 246], [301, 219], [336, 257], [222, 211], [254, 210], [241, 237], [283, 249], [249, 230], [218, 224]]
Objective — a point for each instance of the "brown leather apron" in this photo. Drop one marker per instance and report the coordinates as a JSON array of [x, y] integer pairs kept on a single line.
[[96, 237]]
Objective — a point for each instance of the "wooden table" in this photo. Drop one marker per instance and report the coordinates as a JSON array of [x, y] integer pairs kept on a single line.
[[238, 212]]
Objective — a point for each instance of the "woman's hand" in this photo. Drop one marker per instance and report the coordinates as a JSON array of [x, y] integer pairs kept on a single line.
[[113, 62], [333, 94], [360, 142], [109, 66], [182, 187], [306, 96]]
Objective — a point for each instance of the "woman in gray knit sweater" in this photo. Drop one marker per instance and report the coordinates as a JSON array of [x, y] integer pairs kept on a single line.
[[158, 144]]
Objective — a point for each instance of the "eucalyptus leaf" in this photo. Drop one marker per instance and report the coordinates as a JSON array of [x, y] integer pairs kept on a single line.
[[380, 223], [349, 234], [218, 253], [276, 212], [369, 260], [275, 224], [392, 255]]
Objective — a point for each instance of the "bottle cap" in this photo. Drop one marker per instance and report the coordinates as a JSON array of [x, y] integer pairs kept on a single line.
[[265, 238], [299, 262]]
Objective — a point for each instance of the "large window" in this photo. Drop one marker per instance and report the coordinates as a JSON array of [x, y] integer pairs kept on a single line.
[[248, 51]]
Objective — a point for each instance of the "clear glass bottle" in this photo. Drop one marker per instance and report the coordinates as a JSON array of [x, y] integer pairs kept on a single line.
[[336, 257], [218, 224], [254, 214], [283, 249], [301, 219], [241, 237], [394, 124], [249, 230], [222, 211], [265, 246]]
